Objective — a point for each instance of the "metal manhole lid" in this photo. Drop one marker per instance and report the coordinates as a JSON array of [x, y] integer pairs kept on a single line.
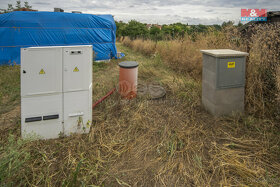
[[150, 91]]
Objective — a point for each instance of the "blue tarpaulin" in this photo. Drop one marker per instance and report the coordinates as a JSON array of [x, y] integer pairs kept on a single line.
[[25, 29]]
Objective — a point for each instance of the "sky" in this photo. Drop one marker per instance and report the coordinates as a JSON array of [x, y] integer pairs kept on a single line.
[[158, 12]]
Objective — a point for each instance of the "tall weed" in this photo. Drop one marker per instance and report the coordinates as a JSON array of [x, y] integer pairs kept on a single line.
[[263, 64]]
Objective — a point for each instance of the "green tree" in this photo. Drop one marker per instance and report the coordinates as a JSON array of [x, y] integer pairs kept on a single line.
[[121, 29], [202, 28], [166, 29], [136, 29], [10, 8], [26, 5], [226, 24], [154, 31], [217, 27], [175, 30], [18, 5]]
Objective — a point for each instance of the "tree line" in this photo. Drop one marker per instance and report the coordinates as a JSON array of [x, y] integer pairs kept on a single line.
[[135, 29]]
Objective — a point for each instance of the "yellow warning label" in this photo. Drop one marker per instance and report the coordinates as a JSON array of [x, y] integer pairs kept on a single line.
[[76, 69], [42, 72], [231, 64]]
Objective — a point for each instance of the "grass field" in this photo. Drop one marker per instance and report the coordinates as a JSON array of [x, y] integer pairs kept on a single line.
[[168, 142]]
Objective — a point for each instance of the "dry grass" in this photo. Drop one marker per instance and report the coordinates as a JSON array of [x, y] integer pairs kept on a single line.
[[278, 82], [184, 55], [169, 142], [146, 47], [261, 76]]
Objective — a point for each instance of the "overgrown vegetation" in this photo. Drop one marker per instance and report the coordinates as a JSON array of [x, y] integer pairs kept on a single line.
[[263, 71], [9, 87], [183, 55], [169, 142], [13, 156]]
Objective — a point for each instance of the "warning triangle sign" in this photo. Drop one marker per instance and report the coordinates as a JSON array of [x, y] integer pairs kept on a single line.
[[42, 72], [76, 69]]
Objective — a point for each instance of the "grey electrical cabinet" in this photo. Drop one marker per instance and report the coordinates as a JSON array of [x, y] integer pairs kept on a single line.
[[223, 81]]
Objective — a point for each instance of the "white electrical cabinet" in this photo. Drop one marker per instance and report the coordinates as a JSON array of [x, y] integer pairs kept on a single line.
[[56, 91]]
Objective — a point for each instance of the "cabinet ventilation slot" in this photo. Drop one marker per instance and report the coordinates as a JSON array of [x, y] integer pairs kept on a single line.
[[32, 119], [51, 117]]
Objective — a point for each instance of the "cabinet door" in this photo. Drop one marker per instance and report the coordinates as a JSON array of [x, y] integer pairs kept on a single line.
[[231, 72], [41, 71], [77, 62], [42, 116], [77, 112]]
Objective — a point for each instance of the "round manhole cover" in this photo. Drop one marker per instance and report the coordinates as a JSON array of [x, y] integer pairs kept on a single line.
[[150, 91]]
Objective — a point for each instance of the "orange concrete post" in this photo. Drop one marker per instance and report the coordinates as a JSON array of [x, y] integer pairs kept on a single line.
[[128, 79]]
